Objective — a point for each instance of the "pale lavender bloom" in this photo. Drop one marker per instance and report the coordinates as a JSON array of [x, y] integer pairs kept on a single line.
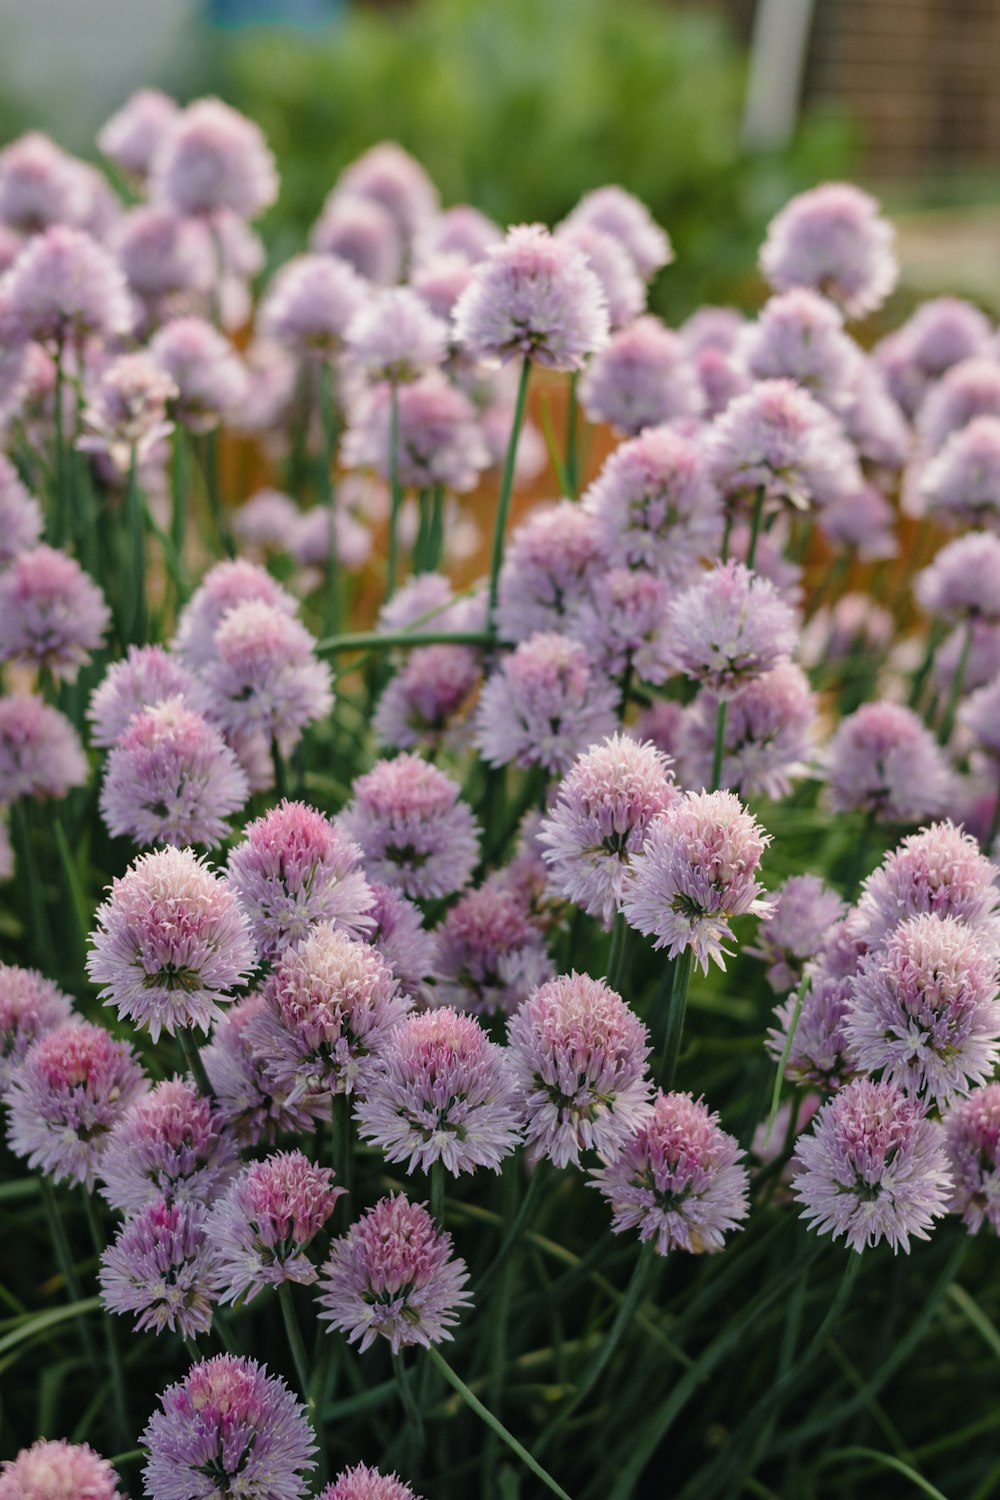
[[75, 1082], [388, 175], [160, 1266], [30, 1005], [768, 740], [624, 624], [548, 565], [272, 380], [821, 1053], [963, 581], [425, 601], [206, 369], [438, 437], [126, 411], [171, 943], [428, 701], [711, 327], [939, 870], [441, 1091], [864, 522], [678, 1179], [803, 910], [231, 582], [924, 1009], [722, 378], [20, 514], [872, 1168], [440, 280], [228, 1428], [544, 704], [40, 751], [395, 337], [363, 1483], [461, 230], [171, 1145], [800, 336], [402, 940], [579, 1055], [624, 289], [533, 296], [264, 677], [884, 761], [778, 439], [308, 540], [873, 421], [414, 830], [393, 1274], [250, 1103], [52, 613], [972, 1141], [40, 185], [263, 1224], [266, 522], [212, 158], [842, 950], [695, 872], [64, 288], [134, 133], [361, 232], [967, 390], [293, 869], [960, 485], [331, 1004], [654, 506], [730, 626], [641, 378], [146, 675], [978, 642], [833, 239], [942, 332], [53, 1469], [626, 218], [490, 954], [980, 713], [310, 303]]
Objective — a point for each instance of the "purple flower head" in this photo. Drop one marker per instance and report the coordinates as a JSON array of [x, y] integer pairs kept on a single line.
[[208, 373], [972, 1141], [402, 940], [779, 439], [393, 1274], [228, 1428], [250, 1103], [440, 280], [438, 436], [623, 287], [310, 303], [213, 158], [160, 1266], [864, 522], [362, 233], [52, 614], [873, 421], [677, 1179], [548, 565], [624, 624], [363, 1483], [40, 752], [30, 1005], [20, 515], [924, 1009], [883, 760], [641, 378], [265, 522], [262, 1226], [544, 704], [391, 177], [234, 581], [803, 910], [599, 821], [872, 1168], [126, 413], [834, 240], [428, 701], [960, 484], [147, 675], [730, 626], [695, 872], [64, 288], [968, 390], [74, 1084], [171, 779], [982, 656], [490, 954], [295, 868], [53, 1469], [442, 1091], [462, 230], [821, 1052], [134, 133], [534, 296], [171, 942], [942, 332], [654, 506], [424, 602], [768, 737], [963, 581], [625, 218], [980, 713], [579, 1056], [711, 327], [170, 1144], [265, 677], [169, 261], [331, 1004], [40, 185], [395, 337], [940, 871], [414, 830], [800, 336]]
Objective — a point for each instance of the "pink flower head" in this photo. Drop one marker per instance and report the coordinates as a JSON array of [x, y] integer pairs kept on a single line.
[[548, 565], [579, 1056], [800, 336], [64, 288], [40, 752], [20, 515], [873, 421], [729, 627], [134, 133], [677, 1179], [227, 1428], [490, 954], [52, 614], [544, 704], [264, 523], [393, 1274], [293, 869], [387, 175], [263, 1224], [438, 437], [426, 601], [171, 943], [940, 871], [249, 1101], [363, 1483], [821, 1053], [768, 737], [160, 1266], [963, 581], [655, 507], [440, 280], [53, 1469], [533, 296], [264, 677], [362, 233], [624, 624], [213, 158], [599, 821], [428, 700], [641, 378], [966, 391], [126, 415], [960, 484], [30, 1005], [711, 327], [872, 1168], [461, 230], [394, 336], [169, 1144], [40, 185], [234, 581], [623, 287], [972, 1141], [980, 713], [942, 332], [441, 1091], [695, 872], [74, 1084], [400, 937], [414, 830], [627, 219], [310, 303], [834, 240], [803, 910], [864, 522], [168, 260], [172, 779], [884, 761], [331, 1004], [208, 373], [982, 657], [145, 676]]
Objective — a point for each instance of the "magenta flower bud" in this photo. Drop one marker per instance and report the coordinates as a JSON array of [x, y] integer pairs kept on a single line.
[[883, 760], [20, 515], [414, 830], [30, 1005], [40, 751], [212, 158], [310, 303], [549, 564], [64, 288], [394, 336], [768, 739], [52, 614], [641, 378], [966, 391], [543, 705], [134, 133], [52, 1469], [362, 233], [834, 240], [205, 368], [972, 1141], [730, 627], [803, 910], [626, 219], [490, 954], [363, 1483], [438, 437], [170, 1144], [160, 1266]]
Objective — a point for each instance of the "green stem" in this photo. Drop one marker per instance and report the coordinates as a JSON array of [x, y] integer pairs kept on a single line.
[[296, 1346], [123, 1428], [210, 474], [328, 494], [64, 1259], [572, 423], [437, 1192], [785, 1053], [340, 1150], [409, 1401], [59, 508], [420, 546], [435, 544], [193, 1058], [627, 678], [516, 1227], [506, 486], [395, 489], [37, 907], [674, 1028], [178, 490], [755, 520], [955, 692], [280, 771], [719, 749], [499, 1318], [376, 640], [616, 953], [137, 533], [859, 857]]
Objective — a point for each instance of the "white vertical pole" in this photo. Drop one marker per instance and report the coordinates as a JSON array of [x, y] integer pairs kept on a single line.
[[777, 62]]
